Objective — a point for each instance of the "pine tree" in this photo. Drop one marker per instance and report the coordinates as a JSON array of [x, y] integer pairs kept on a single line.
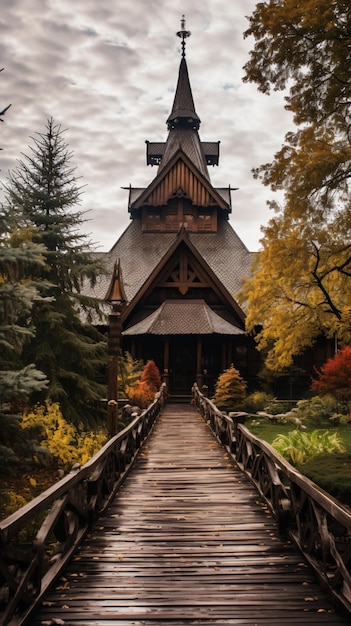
[[19, 261], [43, 194]]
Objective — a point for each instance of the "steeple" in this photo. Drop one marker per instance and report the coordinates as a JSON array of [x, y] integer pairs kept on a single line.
[[183, 113], [183, 124]]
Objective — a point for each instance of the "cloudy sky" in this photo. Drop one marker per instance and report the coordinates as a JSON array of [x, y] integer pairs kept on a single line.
[[106, 71]]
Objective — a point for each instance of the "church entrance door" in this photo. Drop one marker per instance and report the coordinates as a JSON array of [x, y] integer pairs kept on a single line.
[[182, 364]]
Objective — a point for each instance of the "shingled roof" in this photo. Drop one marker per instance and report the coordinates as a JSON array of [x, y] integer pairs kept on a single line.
[[140, 252], [183, 317]]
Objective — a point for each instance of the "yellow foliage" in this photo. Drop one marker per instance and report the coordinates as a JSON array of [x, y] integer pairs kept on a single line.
[[66, 445], [12, 502], [301, 283], [297, 292]]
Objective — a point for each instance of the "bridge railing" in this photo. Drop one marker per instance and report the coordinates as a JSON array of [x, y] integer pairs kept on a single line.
[[317, 522], [37, 541]]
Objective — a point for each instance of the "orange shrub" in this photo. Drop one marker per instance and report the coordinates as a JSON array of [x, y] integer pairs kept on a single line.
[[151, 375]]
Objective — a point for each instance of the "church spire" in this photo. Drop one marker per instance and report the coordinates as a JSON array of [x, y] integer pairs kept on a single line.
[[183, 125], [183, 113]]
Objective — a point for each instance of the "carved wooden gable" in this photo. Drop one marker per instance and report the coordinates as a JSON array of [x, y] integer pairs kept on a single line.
[[180, 179], [183, 273]]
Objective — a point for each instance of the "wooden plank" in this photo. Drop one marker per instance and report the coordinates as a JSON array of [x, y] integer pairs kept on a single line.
[[186, 541]]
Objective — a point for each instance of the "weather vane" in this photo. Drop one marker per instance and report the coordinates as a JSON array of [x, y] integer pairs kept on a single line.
[[183, 34]]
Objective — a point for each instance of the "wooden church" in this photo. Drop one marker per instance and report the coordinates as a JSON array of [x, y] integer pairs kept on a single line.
[[181, 261], [179, 265]]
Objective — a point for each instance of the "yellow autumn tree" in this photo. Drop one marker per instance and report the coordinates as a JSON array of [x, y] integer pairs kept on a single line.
[[301, 281]]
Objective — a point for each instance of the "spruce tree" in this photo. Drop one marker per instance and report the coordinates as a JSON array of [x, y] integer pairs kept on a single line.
[[43, 193], [20, 260]]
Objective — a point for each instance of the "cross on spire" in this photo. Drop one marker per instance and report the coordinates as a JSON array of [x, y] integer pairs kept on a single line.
[[183, 34]]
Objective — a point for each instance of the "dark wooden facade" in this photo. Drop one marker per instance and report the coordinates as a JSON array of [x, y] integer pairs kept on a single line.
[[168, 322]]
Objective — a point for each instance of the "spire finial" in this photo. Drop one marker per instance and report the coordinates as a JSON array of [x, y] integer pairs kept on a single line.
[[183, 34]]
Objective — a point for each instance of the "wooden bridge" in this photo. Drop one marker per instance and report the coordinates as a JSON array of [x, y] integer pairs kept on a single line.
[[189, 540]]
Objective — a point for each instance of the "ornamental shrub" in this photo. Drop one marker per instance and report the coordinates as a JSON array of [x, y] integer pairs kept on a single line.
[[334, 377], [298, 446], [151, 375], [316, 412], [129, 372], [142, 392], [230, 390], [58, 442], [258, 401]]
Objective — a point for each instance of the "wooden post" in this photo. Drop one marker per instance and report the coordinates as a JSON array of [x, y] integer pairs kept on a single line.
[[114, 350], [116, 297]]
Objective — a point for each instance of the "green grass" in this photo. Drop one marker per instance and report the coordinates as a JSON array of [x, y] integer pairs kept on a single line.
[[331, 471]]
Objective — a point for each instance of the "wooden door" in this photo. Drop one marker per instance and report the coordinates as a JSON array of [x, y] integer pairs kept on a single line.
[[182, 364]]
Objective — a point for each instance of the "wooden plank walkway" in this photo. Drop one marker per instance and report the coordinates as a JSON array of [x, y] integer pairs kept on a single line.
[[186, 541]]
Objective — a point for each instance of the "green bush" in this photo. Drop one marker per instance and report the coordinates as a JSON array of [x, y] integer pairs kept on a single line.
[[9, 462], [275, 407], [316, 411], [257, 401], [299, 446]]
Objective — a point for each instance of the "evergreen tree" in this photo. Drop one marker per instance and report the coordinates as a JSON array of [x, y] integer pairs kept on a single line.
[[42, 193], [20, 259], [230, 390]]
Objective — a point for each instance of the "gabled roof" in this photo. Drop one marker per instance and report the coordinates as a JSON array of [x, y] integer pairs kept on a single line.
[[183, 317], [212, 278], [180, 173], [140, 252]]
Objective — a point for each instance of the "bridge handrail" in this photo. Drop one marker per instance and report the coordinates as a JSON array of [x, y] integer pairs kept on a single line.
[[37, 540], [318, 524]]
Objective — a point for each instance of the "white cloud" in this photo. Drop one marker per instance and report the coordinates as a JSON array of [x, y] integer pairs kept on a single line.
[[107, 72]]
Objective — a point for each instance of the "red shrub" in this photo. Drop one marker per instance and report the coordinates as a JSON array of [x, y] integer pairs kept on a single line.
[[151, 375], [334, 377]]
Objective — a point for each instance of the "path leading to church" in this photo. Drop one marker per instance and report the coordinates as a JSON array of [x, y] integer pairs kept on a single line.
[[186, 541]]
